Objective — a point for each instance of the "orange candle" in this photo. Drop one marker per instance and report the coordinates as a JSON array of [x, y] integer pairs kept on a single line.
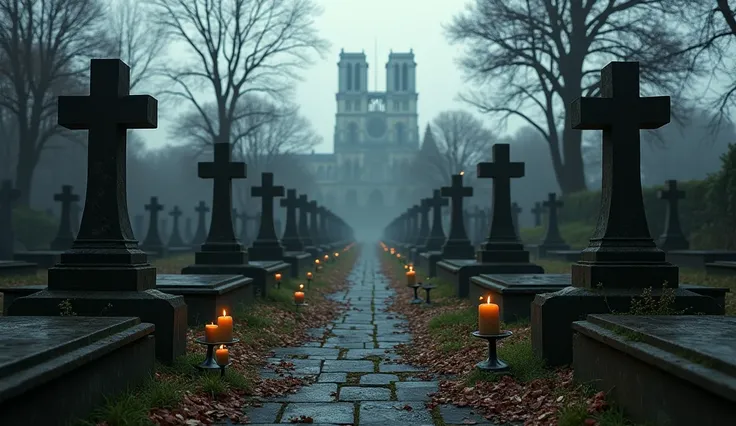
[[210, 332], [309, 275], [225, 327], [337, 254], [488, 318], [299, 295], [278, 277], [222, 355], [327, 257], [398, 255], [411, 277]]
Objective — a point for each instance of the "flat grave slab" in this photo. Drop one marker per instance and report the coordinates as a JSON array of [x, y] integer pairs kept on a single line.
[[697, 259], [459, 271], [721, 268], [9, 268], [83, 358], [43, 258], [514, 293], [261, 271], [657, 368], [299, 262]]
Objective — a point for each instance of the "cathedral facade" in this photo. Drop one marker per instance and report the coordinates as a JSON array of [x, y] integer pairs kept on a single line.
[[376, 137]]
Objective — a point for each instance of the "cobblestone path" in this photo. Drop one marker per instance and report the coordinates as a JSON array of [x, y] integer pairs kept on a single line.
[[358, 378]]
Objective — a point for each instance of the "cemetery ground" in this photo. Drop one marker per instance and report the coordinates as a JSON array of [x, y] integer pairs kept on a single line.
[[180, 394], [530, 393]]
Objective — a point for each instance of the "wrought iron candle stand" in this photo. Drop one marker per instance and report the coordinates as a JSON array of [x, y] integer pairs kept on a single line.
[[210, 363], [298, 305], [416, 299], [492, 363], [427, 288]]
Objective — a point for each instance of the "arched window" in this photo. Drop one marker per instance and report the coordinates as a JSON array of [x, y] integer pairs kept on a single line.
[[400, 133], [352, 132], [357, 77], [405, 77], [397, 80], [349, 75]]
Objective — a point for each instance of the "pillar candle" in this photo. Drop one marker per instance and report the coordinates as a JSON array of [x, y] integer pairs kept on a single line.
[[299, 297], [278, 277], [488, 318], [210, 333], [411, 277], [309, 275], [222, 355], [225, 327]]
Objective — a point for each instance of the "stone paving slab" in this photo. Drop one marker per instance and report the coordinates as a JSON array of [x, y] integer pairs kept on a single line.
[[397, 413], [363, 393], [378, 379], [329, 413]]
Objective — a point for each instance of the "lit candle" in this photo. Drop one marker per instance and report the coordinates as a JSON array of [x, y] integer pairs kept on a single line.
[[278, 280], [299, 295], [393, 250], [222, 355], [327, 257], [411, 277], [210, 332], [225, 327], [488, 318], [398, 255], [316, 265], [309, 275]]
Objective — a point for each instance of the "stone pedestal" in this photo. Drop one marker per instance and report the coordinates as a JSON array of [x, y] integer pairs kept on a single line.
[[207, 295], [514, 293], [9, 268], [697, 259], [43, 258], [262, 272], [721, 269], [300, 262], [428, 262], [553, 314], [56, 370], [459, 271], [657, 368]]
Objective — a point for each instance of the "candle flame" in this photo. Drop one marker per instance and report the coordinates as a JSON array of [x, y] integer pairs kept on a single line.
[[411, 268], [224, 313], [212, 323], [480, 298], [222, 346], [489, 299], [301, 286], [462, 173]]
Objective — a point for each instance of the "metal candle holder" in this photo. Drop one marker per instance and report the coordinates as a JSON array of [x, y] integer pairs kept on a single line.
[[427, 288], [492, 363], [416, 299], [209, 362], [297, 305]]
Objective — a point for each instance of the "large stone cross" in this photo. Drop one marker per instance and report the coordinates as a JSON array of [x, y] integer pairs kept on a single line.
[[7, 196], [65, 236], [303, 228], [291, 240], [621, 232], [423, 234], [501, 170], [537, 212], [175, 237], [222, 171], [153, 237], [552, 236], [314, 224], [672, 237], [437, 234], [267, 191], [671, 194], [456, 192]]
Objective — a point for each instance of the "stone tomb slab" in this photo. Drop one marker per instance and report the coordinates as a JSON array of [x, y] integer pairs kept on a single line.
[[722, 268], [84, 359], [514, 293], [262, 272], [9, 268], [459, 271], [43, 258], [300, 263], [697, 259], [427, 262], [657, 368]]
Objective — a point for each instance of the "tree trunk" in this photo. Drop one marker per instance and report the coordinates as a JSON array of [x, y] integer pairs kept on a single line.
[[573, 176], [24, 173]]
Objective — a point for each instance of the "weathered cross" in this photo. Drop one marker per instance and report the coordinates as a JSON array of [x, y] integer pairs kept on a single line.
[[291, 240], [153, 237], [620, 113], [537, 212], [107, 113], [267, 191], [456, 192], [65, 238], [501, 170], [437, 234], [154, 207], [552, 234], [672, 237], [671, 194], [175, 213], [202, 209], [423, 234], [303, 230], [222, 171], [313, 224], [175, 237]]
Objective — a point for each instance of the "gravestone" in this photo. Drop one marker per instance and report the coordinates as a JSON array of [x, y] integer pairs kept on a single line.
[[502, 251], [221, 253], [621, 259], [105, 273], [473, 222], [324, 239], [176, 244], [552, 244], [657, 368], [64, 237], [314, 227], [412, 230], [152, 244], [515, 212], [267, 245], [9, 266], [427, 261], [294, 253], [672, 238], [457, 245], [304, 233], [423, 235], [200, 235], [537, 212], [188, 232]]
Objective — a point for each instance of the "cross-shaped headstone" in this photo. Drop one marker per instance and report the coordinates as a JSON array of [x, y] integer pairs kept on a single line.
[[672, 237], [200, 235], [222, 171], [437, 234], [622, 232], [552, 237], [303, 230], [7, 196], [267, 191], [153, 242], [501, 170], [291, 240], [537, 212], [65, 237], [457, 244], [175, 238], [423, 233], [314, 224]]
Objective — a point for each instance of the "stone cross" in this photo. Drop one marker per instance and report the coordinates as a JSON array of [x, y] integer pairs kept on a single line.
[[267, 245], [314, 224], [457, 245], [515, 212], [552, 237], [413, 212], [437, 234], [501, 170], [222, 171], [107, 113], [537, 212], [423, 234], [200, 235], [672, 238], [303, 228], [7, 196], [175, 238], [323, 212], [291, 240], [153, 238], [65, 237], [621, 237]]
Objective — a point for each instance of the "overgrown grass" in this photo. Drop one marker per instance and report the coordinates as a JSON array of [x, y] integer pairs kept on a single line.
[[576, 413], [451, 329]]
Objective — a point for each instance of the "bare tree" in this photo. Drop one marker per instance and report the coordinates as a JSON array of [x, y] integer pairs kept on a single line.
[[43, 44], [536, 56], [235, 49]]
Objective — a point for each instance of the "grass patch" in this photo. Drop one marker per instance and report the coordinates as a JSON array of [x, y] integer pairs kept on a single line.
[[477, 375], [451, 330], [525, 365], [576, 413]]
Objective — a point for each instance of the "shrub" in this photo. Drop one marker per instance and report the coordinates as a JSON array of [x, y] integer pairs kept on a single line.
[[34, 229]]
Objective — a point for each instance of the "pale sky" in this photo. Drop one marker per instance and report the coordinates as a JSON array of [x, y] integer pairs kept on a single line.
[[356, 25]]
